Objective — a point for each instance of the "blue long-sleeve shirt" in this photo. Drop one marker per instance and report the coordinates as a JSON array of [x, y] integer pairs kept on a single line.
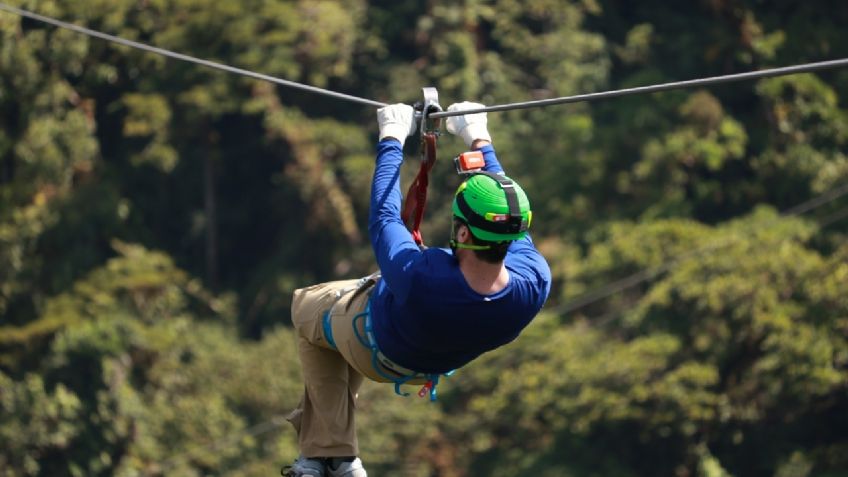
[[425, 315]]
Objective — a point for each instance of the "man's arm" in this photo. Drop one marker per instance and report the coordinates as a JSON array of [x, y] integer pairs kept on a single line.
[[392, 243], [474, 131], [491, 160]]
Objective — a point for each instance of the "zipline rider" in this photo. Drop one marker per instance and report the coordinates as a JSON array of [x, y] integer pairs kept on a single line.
[[429, 311]]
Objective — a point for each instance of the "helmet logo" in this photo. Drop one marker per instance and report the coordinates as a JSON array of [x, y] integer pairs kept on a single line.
[[496, 217]]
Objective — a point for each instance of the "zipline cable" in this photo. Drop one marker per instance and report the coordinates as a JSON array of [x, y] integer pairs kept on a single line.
[[588, 97], [187, 58], [831, 219], [644, 275], [786, 70], [586, 299]]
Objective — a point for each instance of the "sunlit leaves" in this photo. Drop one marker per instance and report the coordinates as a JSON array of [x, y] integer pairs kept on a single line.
[[35, 422], [677, 166]]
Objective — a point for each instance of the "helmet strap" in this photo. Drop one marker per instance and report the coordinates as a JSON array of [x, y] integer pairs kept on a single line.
[[454, 244], [467, 246]]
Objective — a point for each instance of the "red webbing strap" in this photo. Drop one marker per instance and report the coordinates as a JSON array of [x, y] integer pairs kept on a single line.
[[416, 196]]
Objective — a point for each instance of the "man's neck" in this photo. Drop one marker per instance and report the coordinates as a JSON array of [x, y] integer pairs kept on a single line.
[[483, 277]]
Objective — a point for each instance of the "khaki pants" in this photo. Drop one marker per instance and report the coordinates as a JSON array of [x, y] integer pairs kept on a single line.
[[324, 419]]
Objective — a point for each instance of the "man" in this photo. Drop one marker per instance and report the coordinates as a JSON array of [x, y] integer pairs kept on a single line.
[[431, 311]]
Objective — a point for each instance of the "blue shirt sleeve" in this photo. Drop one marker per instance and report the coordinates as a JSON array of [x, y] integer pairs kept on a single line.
[[396, 253], [492, 164]]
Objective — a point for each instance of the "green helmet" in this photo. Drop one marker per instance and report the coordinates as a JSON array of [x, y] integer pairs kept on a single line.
[[495, 207]]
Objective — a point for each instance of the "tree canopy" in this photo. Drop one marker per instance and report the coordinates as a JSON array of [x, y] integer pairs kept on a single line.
[[155, 217]]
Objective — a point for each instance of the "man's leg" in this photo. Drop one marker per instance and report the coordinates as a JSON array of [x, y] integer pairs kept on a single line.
[[324, 420], [327, 424]]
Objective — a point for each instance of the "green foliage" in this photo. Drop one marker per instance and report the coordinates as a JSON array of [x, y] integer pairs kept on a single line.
[[34, 421], [155, 217], [672, 168], [808, 135], [600, 384]]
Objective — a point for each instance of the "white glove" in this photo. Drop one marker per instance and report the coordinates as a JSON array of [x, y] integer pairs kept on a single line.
[[397, 121], [469, 127]]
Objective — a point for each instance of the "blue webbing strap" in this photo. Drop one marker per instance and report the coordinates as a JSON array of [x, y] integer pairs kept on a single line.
[[328, 329], [370, 342]]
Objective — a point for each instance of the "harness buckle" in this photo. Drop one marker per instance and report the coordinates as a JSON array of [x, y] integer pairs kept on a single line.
[[425, 389]]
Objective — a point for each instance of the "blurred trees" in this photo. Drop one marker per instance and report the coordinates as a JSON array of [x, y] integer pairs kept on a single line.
[[155, 217]]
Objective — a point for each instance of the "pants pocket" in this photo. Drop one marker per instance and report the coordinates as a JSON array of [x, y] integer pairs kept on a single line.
[[308, 307]]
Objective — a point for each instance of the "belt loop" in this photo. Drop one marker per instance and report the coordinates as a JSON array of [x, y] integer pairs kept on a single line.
[[364, 284]]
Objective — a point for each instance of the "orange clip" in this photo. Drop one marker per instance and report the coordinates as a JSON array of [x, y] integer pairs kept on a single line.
[[425, 389], [469, 162]]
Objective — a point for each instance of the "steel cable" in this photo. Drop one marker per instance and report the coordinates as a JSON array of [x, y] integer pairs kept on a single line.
[[587, 298], [787, 70], [190, 59], [588, 97]]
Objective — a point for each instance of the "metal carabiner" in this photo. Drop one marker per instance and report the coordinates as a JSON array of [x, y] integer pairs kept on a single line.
[[423, 109]]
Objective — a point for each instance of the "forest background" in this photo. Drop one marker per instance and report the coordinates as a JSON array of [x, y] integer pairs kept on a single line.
[[155, 217]]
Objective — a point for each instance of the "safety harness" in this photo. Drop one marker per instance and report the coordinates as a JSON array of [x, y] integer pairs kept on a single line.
[[379, 361], [416, 197]]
